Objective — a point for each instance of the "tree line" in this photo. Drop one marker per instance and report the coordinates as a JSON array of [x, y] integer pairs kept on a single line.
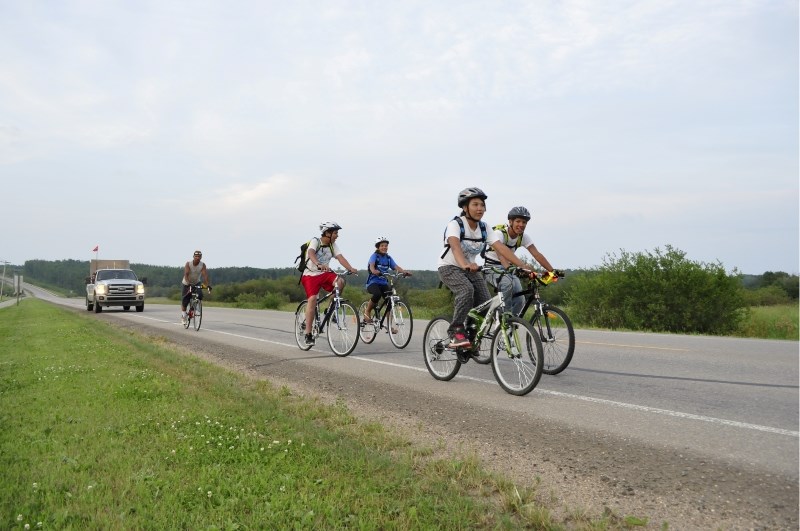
[[659, 290]]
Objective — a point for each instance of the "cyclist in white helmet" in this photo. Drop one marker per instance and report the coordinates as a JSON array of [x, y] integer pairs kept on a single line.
[[379, 263], [318, 274], [513, 236], [466, 237]]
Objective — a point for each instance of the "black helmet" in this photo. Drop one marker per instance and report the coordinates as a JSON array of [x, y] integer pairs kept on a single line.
[[519, 212], [468, 193]]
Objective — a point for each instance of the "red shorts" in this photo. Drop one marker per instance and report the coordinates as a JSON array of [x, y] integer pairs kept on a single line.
[[313, 283]]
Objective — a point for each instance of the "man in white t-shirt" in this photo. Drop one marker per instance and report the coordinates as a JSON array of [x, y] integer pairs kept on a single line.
[[457, 267], [318, 274], [513, 236]]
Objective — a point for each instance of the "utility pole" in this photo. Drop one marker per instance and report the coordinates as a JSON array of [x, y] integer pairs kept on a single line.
[[3, 281]]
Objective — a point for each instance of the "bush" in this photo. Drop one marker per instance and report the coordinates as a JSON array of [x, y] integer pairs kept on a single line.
[[658, 291], [768, 296]]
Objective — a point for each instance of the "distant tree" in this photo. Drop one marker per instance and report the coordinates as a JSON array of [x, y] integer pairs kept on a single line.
[[658, 291]]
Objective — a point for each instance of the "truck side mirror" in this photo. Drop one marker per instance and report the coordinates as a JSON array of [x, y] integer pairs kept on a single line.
[[88, 280], [144, 281]]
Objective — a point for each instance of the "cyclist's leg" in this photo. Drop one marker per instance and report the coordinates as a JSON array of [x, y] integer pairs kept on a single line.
[[186, 294], [457, 280], [311, 285], [517, 303], [376, 292], [480, 289]]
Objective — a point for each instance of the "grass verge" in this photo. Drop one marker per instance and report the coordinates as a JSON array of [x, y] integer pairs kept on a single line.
[[102, 429]]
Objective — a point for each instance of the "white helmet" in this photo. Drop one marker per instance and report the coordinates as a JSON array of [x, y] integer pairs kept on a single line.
[[325, 226], [381, 239]]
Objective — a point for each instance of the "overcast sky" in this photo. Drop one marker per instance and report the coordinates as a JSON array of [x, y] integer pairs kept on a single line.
[[152, 128]]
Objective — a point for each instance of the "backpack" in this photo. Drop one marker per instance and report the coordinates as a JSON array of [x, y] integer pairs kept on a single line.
[[462, 237], [502, 228], [302, 258]]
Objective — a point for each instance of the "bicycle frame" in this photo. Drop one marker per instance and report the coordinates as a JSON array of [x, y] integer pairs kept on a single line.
[[493, 312]]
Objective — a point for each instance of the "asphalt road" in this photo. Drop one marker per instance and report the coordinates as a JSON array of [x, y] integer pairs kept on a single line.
[[730, 402]]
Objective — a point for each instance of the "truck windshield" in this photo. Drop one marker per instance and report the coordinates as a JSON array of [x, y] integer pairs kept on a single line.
[[110, 274]]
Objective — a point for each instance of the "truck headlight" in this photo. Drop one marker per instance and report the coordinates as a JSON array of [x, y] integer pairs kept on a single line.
[[140, 289], [101, 289]]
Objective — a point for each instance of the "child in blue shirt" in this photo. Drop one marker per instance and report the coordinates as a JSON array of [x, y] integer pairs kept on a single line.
[[379, 263]]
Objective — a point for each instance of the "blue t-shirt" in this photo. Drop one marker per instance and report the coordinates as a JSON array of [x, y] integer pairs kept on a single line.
[[383, 263]]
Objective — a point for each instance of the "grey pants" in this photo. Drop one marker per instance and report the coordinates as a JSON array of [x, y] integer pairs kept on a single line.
[[508, 285], [469, 290]]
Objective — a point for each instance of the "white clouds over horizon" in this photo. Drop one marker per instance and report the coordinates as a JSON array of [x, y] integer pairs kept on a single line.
[[637, 124]]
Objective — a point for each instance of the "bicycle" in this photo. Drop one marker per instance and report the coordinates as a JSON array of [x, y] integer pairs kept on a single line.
[[340, 316], [194, 310], [515, 349], [396, 316], [553, 326]]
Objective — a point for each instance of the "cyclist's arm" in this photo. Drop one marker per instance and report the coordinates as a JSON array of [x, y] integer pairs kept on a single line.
[[539, 257], [186, 274], [204, 272], [342, 260], [373, 269], [401, 270], [458, 255], [508, 254]]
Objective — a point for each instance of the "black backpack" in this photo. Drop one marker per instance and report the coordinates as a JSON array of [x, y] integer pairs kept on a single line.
[[302, 259], [462, 236]]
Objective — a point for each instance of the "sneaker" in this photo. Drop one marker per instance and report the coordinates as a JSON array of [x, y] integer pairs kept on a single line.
[[459, 340], [183, 319], [309, 339]]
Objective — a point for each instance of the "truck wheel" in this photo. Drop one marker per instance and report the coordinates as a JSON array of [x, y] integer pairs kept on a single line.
[[97, 307], [89, 305], [126, 308], [140, 308]]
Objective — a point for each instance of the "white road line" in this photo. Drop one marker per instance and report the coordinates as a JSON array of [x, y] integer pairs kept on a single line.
[[623, 405], [646, 409]]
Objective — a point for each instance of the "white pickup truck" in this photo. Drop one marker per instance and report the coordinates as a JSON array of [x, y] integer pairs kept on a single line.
[[113, 286]]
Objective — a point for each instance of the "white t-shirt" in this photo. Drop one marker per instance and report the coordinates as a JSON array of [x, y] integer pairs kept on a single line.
[[324, 255], [527, 240], [471, 249]]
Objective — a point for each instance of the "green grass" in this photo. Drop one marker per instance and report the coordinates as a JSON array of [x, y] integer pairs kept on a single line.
[[103, 429], [771, 322]]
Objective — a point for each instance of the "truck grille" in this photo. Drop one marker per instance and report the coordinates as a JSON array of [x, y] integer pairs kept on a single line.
[[120, 291]]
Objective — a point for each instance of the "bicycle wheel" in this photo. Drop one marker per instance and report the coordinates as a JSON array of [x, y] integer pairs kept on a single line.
[[300, 326], [343, 329], [558, 338], [441, 362], [198, 314], [400, 323], [517, 357], [367, 331]]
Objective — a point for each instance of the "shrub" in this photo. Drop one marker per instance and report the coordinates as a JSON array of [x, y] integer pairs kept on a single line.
[[658, 291]]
